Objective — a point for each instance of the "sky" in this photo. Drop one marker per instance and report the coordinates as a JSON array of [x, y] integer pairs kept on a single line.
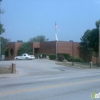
[[25, 19]]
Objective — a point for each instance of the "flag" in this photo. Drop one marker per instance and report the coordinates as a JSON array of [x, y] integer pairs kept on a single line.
[[56, 27], [56, 36]]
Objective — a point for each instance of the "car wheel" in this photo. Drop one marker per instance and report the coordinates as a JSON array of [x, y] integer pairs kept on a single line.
[[26, 58], [16, 58]]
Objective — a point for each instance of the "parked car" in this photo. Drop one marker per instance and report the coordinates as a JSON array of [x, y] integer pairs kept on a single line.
[[25, 56], [32, 56]]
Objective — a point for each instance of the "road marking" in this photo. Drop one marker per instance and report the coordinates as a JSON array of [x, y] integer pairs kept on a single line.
[[48, 87]]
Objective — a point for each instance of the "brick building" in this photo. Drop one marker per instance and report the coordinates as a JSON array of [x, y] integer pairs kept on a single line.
[[45, 48]]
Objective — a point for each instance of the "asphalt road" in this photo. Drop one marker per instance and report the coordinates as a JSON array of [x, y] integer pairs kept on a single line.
[[44, 80]]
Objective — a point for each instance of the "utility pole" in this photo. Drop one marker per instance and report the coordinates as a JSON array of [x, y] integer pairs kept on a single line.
[[73, 52], [99, 45], [0, 28]]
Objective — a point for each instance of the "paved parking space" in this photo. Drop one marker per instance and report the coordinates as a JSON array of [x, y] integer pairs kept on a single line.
[[38, 67], [42, 79]]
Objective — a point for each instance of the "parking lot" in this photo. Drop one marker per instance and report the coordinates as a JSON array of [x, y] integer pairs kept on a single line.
[[39, 67], [40, 79]]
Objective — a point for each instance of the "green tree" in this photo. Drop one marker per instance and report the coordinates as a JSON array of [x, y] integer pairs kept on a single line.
[[5, 51], [4, 42], [89, 41], [39, 38], [94, 40], [97, 23], [19, 40], [2, 30], [85, 50], [25, 48]]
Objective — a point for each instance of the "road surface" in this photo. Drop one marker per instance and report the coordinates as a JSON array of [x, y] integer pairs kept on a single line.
[[47, 81]]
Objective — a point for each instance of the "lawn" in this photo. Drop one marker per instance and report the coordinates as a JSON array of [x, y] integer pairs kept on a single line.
[[5, 70], [77, 64]]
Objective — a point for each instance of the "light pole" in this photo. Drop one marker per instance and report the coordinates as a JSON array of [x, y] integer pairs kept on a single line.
[[99, 45], [73, 53], [0, 27]]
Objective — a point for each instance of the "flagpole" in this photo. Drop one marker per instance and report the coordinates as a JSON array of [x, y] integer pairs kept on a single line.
[[56, 37], [56, 45]]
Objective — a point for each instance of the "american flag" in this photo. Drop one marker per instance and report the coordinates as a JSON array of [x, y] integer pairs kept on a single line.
[[56, 26]]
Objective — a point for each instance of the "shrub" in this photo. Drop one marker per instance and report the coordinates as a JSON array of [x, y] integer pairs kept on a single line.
[[71, 58], [61, 57], [67, 56], [43, 56], [52, 57], [78, 60]]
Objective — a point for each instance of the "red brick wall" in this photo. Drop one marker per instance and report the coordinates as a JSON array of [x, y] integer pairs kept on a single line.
[[14, 46], [48, 47], [62, 47], [35, 45], [76, 49], [17, 46], [68, 47], [10, 46]]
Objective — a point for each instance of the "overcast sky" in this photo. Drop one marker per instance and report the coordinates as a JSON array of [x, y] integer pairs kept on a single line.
[[24, 19]]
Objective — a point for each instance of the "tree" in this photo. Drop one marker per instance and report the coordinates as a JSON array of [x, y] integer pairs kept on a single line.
[[94, 40], [39, 38], [85, 50], [25, 48], [5, 51], [4, 42], [19, 40], [2, 30], [89, 41], [97, 23]]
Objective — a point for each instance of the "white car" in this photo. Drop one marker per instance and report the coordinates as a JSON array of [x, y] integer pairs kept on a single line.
[[32, 56], [25, 56]]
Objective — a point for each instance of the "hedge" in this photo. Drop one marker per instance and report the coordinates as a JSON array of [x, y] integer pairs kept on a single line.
[[52, 57]]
